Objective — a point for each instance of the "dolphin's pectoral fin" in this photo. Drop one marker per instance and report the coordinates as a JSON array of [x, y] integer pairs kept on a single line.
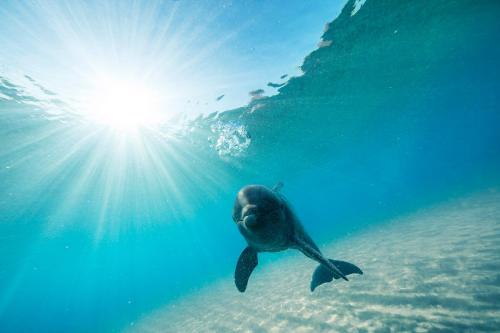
[[323, 274], [246, 263]]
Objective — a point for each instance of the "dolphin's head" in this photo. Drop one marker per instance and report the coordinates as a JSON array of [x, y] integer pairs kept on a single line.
[[259, 214]]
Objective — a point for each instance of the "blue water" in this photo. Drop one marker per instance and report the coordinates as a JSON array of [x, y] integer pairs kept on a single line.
[[398, 109]]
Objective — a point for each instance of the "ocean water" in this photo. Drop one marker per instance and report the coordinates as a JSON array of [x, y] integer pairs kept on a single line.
[[388, 145]]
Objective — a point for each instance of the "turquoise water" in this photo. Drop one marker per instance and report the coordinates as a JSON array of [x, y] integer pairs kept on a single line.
[[397, 110]]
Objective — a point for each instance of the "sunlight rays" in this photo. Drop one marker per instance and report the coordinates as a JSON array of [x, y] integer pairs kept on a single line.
[[123, 104], [110, 181], [120, 169], [121, 160], [153, 48]]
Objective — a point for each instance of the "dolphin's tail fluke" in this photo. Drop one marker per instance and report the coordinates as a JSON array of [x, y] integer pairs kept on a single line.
[[323, 274]]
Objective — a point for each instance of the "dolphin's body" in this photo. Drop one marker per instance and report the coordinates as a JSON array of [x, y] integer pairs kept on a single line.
[[268, 224]]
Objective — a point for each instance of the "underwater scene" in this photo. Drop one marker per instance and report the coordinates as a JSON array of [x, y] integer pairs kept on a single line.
[[250, 166]]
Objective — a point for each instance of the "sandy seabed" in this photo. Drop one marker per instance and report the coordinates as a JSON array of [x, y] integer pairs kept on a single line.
[[436, 270]]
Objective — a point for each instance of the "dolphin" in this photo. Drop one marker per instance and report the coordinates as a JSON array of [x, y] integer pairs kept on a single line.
[[268, 224]]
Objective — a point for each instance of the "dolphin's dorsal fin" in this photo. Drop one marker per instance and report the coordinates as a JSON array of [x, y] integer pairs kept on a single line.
[[279, 185]]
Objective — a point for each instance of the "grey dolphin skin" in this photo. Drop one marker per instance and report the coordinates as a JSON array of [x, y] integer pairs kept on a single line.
[[268, 224]]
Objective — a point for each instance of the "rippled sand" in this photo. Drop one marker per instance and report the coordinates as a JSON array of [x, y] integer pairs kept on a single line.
[[434, 270]]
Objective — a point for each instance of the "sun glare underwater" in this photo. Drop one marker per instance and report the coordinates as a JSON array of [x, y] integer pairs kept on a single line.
[[127, 129]]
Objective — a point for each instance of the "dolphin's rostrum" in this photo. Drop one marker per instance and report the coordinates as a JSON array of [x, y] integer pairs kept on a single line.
[[268, 224]]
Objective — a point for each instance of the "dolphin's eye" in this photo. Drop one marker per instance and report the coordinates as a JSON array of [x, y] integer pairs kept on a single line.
[[237, 211]]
